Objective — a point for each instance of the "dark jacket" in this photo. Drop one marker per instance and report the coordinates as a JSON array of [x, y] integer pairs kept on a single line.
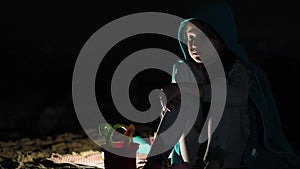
[[268, 146]]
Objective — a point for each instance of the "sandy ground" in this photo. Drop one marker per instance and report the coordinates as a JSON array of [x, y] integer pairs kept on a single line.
[[30, 153], [41, 153]]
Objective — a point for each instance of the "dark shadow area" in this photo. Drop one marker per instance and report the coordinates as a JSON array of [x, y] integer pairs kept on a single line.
[[141, 85], [41, 43]]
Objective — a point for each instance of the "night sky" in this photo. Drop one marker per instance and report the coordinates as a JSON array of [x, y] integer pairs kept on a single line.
[[42, 42]]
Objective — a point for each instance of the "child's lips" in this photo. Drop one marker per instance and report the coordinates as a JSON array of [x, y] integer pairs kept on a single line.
[[195, 54]]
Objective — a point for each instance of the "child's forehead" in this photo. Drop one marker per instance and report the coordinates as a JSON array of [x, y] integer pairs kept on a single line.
[[191, 28]]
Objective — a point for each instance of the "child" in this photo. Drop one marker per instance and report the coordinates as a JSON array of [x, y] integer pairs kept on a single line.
[[249, 133]]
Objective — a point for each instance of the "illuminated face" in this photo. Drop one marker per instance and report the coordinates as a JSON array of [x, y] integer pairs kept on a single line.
[[192, 36], [200, 46], [203, 43]]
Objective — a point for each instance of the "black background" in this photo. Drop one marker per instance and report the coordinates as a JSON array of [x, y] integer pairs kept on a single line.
[[41, 42]]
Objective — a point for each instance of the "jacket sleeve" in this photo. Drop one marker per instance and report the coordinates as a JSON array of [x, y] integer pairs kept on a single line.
[[181, 73]]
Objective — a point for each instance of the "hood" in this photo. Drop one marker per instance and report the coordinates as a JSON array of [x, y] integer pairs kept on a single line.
[[218, 16]]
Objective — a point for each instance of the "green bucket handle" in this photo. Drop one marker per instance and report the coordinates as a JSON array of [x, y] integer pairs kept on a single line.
[[107, 131]]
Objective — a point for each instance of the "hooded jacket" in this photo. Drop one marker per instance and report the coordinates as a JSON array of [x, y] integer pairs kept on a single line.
[[274, 147]]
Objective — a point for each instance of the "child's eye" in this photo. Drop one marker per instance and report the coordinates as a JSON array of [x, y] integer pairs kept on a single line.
[[191, 38]]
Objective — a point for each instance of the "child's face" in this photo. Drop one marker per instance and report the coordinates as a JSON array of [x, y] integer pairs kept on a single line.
[[192, 36], [198, 43]]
